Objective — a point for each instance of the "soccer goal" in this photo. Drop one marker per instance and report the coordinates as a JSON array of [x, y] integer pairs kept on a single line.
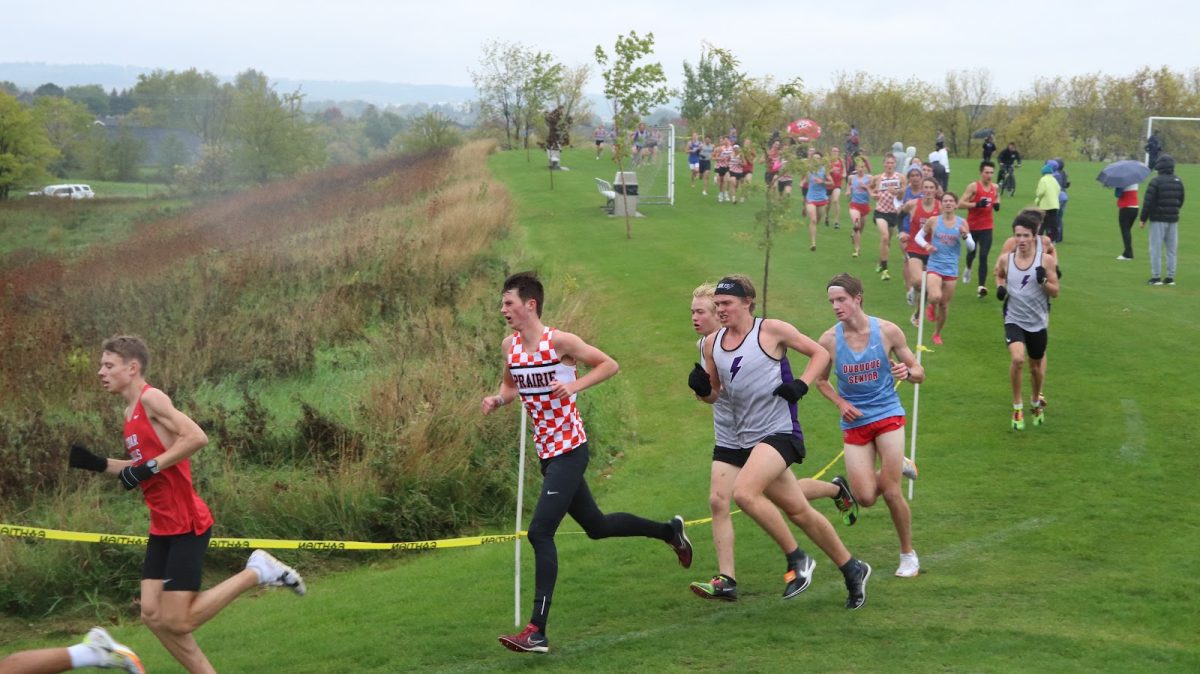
[[655, 166], [1168, 142]]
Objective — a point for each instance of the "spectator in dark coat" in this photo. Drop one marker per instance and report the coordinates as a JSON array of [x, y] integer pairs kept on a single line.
[[1154, 148], [1164, 200]]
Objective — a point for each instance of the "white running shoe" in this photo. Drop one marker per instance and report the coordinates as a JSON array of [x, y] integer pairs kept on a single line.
[[911, 297], [113, 655], [908, 469], [967, 276], [910, 566], [273, 572]]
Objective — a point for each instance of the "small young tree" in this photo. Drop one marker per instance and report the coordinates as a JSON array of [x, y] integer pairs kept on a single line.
[[558, 135], [633, 89]]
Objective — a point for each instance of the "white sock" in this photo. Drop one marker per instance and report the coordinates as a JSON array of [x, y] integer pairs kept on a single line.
[[83, 655]]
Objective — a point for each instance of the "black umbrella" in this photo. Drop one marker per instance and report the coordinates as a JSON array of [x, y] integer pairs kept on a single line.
[[983, 133], [1123, 173]]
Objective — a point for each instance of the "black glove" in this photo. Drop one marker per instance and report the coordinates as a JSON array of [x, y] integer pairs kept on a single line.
[[996, 206], [131, 476], [81, 457], [1040, 272], [983, 203], [699, 382], [1001, 293], [1058, 272], [791, 391]]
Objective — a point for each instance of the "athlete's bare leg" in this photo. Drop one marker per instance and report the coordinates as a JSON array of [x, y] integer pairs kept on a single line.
[[1017, 351], [856, 219], [174, 616], [815, 489], [1037, 372], [40, 661], [868, 484], [719, 495], [763, 467], [785, 492], [885, 240]]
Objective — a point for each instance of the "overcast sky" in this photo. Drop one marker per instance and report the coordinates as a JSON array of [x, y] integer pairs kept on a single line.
[[436, 42]]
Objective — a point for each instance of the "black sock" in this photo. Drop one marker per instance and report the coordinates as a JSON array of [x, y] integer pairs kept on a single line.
[[883, 265], [849, 567], [795, 556]]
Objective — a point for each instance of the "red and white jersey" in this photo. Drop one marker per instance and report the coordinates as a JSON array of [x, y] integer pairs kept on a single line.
[[557, 428]]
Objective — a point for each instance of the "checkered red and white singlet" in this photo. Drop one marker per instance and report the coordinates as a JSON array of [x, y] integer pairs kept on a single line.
[[557, 428]]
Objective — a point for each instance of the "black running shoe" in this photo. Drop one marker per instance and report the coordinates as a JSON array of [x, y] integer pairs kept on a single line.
[[530, 640], [798, 576], [856, 584], [717, 588], [846, 503], [680, 543]]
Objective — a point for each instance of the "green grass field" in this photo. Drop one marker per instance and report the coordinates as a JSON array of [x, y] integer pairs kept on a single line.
[[1070, 547]]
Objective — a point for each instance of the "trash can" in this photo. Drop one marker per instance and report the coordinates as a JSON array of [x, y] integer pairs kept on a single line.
[[625, 184]]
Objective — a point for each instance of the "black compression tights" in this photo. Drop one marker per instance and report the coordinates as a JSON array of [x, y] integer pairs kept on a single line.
[[564, 491]]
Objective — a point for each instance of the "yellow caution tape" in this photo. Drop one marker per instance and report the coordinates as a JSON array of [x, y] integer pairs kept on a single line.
[[38, 533]]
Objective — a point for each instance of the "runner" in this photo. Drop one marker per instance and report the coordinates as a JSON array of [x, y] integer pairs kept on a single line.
[[916, 211], [981, 199], [1026, 281], [159, 441], [598, 136], [744, 359], [941, 239], [872, 418], [98, 650], [817, 196], [736, 174], [860, 202], [837, 173], [724, 156], [639, 139], [539, 368], [706, 153], [886, 187], [693, 150]]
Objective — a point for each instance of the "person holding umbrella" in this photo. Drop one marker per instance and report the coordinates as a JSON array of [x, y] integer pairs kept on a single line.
[[1123, 177]]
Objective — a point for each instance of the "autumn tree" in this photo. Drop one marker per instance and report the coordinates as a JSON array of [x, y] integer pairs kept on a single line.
[[634, 89], [25, 150]]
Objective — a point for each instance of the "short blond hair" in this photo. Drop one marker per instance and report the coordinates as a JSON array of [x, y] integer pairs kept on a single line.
[[706, 291]]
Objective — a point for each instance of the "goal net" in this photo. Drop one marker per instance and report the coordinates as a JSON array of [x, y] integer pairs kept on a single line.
[[1177, 136], [655, 166]]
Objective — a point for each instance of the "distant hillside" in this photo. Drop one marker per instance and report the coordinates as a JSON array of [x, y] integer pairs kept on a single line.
[[33, 75]]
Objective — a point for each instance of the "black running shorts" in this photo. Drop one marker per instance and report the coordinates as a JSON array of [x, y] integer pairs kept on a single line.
[[1035, 342], [176, 560], [890, 218], [790, 447], [733, 457]]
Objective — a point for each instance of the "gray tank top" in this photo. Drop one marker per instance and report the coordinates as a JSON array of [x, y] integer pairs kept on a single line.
[[1027, 306], [749, 377], [722, 414]]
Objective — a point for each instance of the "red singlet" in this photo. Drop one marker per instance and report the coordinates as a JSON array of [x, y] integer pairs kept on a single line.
[[175, 507]]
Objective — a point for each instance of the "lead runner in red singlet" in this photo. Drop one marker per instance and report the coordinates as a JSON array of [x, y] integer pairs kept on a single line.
[[159, 441], [539, 368]]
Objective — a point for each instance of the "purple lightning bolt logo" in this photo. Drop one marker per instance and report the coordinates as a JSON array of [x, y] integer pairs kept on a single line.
[[1025, 281], [733, 369]]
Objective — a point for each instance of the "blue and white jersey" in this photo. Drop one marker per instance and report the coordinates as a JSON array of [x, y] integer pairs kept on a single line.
[[750, 376], [816, 186], [947, 239], [865, 380]]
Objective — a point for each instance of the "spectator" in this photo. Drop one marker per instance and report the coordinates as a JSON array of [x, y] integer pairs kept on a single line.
[[1164, 200], [1046, 198], [989, 147], [1060, 174], [1154, 148], [941, 157], [1127, 213], [901, 158], [852, 141]]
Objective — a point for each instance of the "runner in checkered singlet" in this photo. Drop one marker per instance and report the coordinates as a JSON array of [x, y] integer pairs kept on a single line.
[[540, 368]]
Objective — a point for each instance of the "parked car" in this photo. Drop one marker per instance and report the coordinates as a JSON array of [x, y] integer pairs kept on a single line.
[[75, 191]]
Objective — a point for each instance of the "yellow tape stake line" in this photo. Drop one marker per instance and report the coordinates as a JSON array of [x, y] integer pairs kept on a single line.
[[38, 533]]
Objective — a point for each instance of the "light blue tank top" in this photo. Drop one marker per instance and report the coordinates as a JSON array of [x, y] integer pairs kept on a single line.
[[865, 378], [948, 242], [860, 192], [816, 186]]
